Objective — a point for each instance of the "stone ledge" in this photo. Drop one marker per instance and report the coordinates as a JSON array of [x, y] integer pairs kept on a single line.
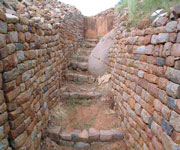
[[79, 139]]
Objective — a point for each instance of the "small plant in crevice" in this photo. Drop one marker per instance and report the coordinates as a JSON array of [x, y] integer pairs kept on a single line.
[[74, 102], [101, 38]]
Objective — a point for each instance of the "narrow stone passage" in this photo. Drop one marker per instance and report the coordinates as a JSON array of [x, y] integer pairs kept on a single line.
[[83, 118]]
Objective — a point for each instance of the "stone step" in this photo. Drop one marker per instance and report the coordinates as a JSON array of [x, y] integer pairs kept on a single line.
[[83, 66], [92, 40], [80, 58], [78, 77], [90, 44], [84, 52], [83, 139], [80, 95]]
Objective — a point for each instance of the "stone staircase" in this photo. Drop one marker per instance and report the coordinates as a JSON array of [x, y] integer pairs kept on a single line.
[[79, 84], [91, 43]]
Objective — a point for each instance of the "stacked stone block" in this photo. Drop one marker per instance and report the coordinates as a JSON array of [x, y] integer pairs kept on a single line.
[[85, 138], [146, 84], [33, 56]]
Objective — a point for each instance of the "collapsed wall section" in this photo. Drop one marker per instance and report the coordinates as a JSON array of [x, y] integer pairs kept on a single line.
[[36, 41], [145, 68]]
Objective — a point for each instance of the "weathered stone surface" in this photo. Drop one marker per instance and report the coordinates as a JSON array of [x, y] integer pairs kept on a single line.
[[166, 112], [141, 74], [156, 129], [75, 134], [171, 26], [173, 75], [83, 136], [176, 137], [154, 39], [13, 36], [11, 48], [178, 26], [117, 134], [168, 143], [3, 27], [176, 10], [27, 75], [161, 21], [98, 59], [158, 105], [2, 40], [93, 134], [173, 90], [54, 133], [150, 122], [105, 135], [145, 115], [177, 107], [2, 15], [10, 62], [10, 75], [163, 38], [177, 65], [174, 118], [3, 53], [20, 56], [160, 61], [66, 143], [166, 127], [141, 49], [172, 102], [170, 61], [65, 136], [19, 141], [167, 49], [175, 51], [81, 146], [156, 143], [11, 18], [138, 108], [178, 38], [4, 144]]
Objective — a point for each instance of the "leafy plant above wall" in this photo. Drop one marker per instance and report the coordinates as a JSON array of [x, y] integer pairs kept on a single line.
[[138, 10]]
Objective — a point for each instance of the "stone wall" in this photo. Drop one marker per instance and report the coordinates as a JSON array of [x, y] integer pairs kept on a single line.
[[100, 24], [36, 42], [145, 68]]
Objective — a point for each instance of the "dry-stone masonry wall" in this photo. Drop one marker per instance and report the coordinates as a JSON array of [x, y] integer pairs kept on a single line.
[[145, 67], [100, 24], [36, 42]]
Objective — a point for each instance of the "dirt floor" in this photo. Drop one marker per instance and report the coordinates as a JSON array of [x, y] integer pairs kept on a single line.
[[83, 114]]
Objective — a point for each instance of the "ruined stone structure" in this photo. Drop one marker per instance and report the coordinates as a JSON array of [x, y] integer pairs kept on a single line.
[[100, 24], [145, 70], [37, 41]]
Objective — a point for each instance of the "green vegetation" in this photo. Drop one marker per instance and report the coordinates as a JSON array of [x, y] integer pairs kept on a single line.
[[86, 125], [100, 37], [139, 10], [74, 102]]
